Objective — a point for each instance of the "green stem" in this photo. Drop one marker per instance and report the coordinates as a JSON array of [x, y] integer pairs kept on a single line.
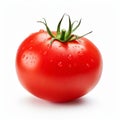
[[62, 37], [58, 27], [68, 33]]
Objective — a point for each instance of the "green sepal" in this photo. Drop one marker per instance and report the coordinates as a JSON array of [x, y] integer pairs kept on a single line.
[[63, 35]]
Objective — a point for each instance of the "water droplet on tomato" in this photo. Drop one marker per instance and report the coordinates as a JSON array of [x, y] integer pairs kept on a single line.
[[45, 52], [30, 48], [23, 48], [60, 46], [51, 60], [79, 53], [29, 59], [26, 57], [92, 60], [31, 41], [60, 64], [70, 57], [88, 65]]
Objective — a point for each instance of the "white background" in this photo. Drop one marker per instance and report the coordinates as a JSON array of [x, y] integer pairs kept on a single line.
[[18, 20]]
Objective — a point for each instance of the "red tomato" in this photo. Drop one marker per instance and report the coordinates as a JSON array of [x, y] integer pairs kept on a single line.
[[59, 70]]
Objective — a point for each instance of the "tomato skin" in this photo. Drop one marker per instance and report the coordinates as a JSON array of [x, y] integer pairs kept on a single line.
[[58, 72]]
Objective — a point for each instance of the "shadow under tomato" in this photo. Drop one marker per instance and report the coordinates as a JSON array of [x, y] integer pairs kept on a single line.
[[36, 102]]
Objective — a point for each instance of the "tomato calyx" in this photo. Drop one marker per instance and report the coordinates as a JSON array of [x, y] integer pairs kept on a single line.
[[64, 35]]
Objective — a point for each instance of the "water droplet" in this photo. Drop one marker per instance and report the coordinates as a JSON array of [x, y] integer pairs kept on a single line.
[[34, 57], [26, 57], [82, 47], [60, 64], [48, 45], [88, 65], [69, 56], [29, 59], [59, 45], [22, 48], [80, 53], [31, 41], [30, 48], [92, 60], [45, 52], [51, 60]]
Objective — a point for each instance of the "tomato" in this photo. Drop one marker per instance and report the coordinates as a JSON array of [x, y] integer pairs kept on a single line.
[[58, 66]]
